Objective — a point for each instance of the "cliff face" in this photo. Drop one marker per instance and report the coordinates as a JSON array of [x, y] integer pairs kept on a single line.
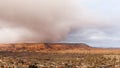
[[44, 46]]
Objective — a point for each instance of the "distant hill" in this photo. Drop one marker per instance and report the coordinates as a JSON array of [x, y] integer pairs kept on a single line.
[[44, 46], [81, 48]]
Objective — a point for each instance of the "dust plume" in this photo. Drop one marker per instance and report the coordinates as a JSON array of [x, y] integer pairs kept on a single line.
[[38, 20]]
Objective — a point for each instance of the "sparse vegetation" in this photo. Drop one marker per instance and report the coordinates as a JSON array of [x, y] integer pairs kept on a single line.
[[60, 60]]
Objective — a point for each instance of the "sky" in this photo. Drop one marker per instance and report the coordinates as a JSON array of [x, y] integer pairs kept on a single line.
[[109, 36], [95, 22]]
